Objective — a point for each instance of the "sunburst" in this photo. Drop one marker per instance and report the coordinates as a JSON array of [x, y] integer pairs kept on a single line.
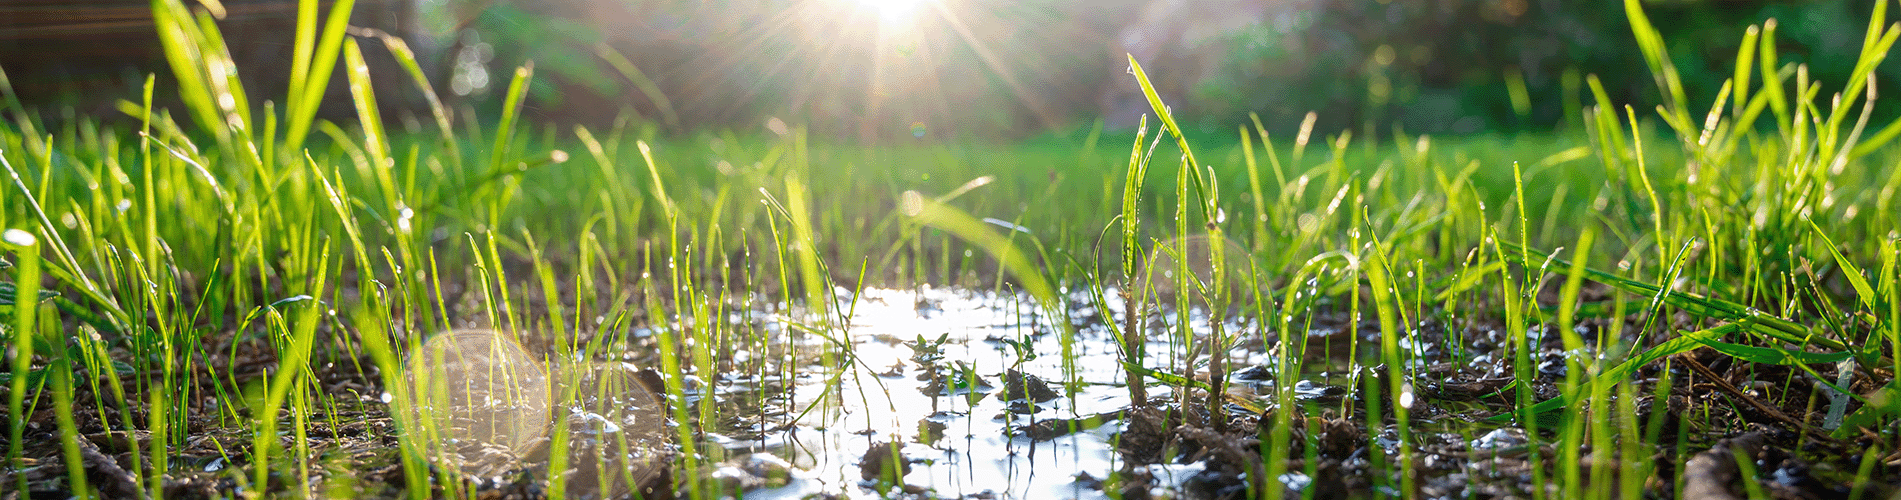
[[895, 12]]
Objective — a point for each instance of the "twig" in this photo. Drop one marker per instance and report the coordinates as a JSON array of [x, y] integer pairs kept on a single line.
[[1739, 395]]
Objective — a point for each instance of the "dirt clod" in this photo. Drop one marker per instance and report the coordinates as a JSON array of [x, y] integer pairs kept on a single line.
[[1018, 385], [884, 462]]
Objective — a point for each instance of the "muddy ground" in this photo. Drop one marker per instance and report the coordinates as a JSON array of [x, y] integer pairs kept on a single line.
[[961, 394]]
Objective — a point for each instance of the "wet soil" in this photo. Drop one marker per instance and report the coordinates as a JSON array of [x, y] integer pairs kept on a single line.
[[932, 393]]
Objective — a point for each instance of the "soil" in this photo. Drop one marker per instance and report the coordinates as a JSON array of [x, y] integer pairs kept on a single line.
[[919, 417]]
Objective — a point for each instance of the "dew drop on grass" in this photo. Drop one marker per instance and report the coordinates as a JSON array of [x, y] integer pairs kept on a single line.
[[19, 238], [1006, 225]]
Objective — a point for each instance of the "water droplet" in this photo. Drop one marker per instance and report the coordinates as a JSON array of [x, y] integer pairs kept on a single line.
[[1296, 481], [19, 238]]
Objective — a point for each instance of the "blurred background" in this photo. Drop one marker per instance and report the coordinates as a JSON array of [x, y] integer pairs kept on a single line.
[[879, 71]]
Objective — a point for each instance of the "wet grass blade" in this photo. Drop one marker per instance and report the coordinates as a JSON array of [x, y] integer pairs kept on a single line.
[[1864, 293], [1130, 333], [1685, 342], [1753, 319]]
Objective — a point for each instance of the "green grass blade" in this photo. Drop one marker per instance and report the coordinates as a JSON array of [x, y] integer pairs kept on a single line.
[[1864, 293], [1161, 111], [25, 335], [1651, 44], [1774, 356], [511, 111], [306, 94], [1685, 342]]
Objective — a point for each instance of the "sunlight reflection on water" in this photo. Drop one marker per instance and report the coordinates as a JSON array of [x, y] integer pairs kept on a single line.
[[893, 393]]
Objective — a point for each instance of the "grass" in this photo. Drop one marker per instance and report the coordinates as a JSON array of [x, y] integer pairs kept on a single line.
[[254, 257]]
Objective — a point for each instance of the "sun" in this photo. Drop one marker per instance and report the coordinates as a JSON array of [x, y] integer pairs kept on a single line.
[[894, 11]]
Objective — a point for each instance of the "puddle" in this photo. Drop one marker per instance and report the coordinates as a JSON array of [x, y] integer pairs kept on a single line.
[[942, 372], [950, 401], [949, 393]]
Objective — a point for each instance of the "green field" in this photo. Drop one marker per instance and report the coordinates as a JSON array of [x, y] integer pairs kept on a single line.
[[239, 301]]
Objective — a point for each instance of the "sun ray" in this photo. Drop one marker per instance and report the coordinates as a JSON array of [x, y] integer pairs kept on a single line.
[[1003, 72], [893, 12]]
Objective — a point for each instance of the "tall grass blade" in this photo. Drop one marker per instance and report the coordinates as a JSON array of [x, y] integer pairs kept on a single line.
[[313, 57]]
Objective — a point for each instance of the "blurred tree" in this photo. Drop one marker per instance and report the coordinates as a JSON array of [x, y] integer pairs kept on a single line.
[[1006, 68], [1438, 66]]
